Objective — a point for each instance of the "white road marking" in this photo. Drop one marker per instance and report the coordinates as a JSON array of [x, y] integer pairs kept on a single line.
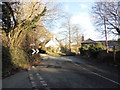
[[43, 82], [40, 78], [106, 78], [100, 75], [37, 74], [31, 78], [30, 74], [33, 84]]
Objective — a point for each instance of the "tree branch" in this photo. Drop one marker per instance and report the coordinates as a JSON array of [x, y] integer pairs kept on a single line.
[[12, 13]]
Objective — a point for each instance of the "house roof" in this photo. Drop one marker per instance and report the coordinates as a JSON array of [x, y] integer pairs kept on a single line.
[[53, 43], [110, 42], [88, 41]]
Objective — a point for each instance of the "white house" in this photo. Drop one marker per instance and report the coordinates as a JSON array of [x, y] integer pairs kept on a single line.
[[53, 43]]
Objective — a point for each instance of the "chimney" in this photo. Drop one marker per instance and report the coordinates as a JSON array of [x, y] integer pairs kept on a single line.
[[82, 37]]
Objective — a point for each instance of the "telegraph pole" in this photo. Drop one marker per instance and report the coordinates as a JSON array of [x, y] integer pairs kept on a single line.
[[69, 38], [106, 41]]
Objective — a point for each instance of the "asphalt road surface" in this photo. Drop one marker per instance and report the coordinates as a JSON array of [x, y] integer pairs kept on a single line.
[[69, 72]]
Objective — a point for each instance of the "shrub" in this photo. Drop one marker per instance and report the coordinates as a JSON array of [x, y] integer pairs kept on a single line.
[[94, 49], [83, 49], [6, 59]]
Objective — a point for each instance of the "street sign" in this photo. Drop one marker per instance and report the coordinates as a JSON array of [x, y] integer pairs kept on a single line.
[[35, 51]]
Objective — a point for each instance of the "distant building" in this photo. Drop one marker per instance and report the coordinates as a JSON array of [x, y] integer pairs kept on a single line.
[[111, 43], [53, 45], [88, 41]]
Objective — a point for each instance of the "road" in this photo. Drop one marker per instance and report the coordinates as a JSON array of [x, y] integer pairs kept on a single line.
[[71, 72]]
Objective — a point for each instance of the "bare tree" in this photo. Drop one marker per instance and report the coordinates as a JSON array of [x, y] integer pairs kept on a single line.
[[76, 37], [68, 31], [71, 35], [111, 12], [19, 18]]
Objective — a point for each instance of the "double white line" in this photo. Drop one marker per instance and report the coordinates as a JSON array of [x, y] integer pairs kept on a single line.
[[34, 85]]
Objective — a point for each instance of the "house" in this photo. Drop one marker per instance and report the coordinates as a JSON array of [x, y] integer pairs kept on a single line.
[[87, 42], [111, 43], [53, 45]]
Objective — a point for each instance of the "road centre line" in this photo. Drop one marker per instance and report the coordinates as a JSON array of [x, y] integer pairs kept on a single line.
[[99, 75], [33, 84], [44, 84]]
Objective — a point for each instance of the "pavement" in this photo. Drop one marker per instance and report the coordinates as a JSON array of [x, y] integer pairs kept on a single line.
[[19, 80], [65, 72]]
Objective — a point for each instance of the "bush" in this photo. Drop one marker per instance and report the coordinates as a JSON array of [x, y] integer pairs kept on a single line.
[[93, 49], [84, 49], [6, 59]]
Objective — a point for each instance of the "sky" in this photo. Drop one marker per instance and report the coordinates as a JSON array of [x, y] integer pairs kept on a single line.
[[81, 14]]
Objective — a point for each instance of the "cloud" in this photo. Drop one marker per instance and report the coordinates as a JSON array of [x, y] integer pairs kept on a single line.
[[81, 18], [66, 8], [83, 6], [84, 20]]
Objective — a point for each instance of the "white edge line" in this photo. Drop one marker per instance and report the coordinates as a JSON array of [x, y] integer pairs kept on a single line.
[[100, 75], [106, 78]]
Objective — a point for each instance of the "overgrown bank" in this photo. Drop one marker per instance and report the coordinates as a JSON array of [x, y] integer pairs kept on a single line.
[[21, 62], [16, 53]]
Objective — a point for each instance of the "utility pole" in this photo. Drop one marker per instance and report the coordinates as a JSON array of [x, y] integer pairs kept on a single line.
[[77, 38], [106, 41], [77, 41], [69, 31]]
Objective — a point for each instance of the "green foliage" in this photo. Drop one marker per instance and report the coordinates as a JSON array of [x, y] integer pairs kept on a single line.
[[86, 47], [93, 49], [119, 41], [19, 56], [6, 59], [99, 46], [83, 49]]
